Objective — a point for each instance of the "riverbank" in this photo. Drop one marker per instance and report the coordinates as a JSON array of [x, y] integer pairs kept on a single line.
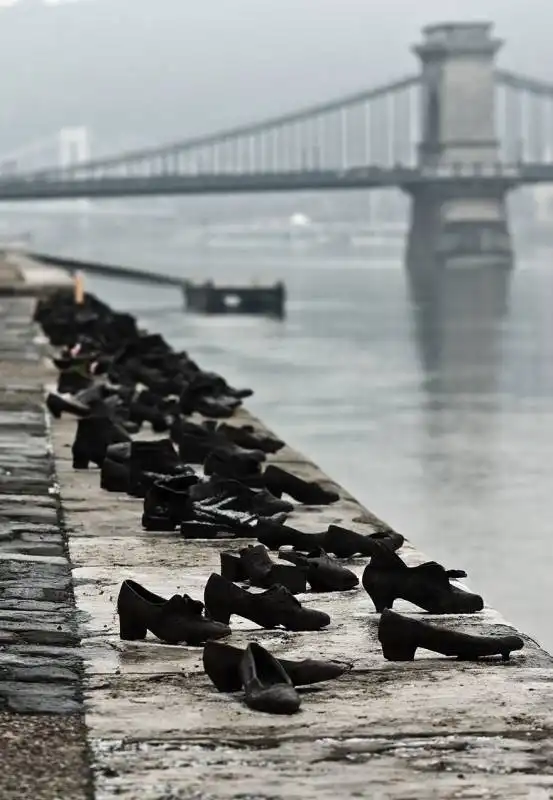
[[158, 729]]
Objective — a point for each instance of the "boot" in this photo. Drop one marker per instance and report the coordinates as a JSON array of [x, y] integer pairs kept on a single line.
[[179, 619], [310, 493], [245, 436], [323, 573], [94, 435], [157, 457], [243, 466], [387, 578], [222, 661], [166, 503], [115, 472], [268, 609], [400, 636], [115, 476], [266, 684], [254, 564]]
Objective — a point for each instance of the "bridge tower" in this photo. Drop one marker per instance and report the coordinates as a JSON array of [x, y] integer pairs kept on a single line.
[[458, 224], [74, 149]]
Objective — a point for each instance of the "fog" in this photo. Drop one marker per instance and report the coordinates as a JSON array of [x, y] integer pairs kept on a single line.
[[145, 71]]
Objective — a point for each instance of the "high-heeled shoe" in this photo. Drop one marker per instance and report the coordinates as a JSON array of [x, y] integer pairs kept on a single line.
[[400, 637], [179, 619], [276, 606], [387, 578]]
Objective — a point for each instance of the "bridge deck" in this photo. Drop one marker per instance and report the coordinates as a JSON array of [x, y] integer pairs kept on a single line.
[[81, 184]]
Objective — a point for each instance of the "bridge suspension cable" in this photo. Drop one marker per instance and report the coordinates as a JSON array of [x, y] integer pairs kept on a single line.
[[515, 81], [253, 129]]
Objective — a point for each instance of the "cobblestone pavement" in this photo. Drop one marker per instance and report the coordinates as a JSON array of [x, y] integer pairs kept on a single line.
[[43, 748]]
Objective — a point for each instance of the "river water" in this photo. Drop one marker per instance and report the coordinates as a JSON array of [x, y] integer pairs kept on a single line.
[[433, 405]]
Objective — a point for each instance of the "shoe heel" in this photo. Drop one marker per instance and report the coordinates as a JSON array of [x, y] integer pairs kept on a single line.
[[381, 600], [217, 610], [218, 613], [80, 462], [130, 630], [399, 651], [379, 590], [231, 567]]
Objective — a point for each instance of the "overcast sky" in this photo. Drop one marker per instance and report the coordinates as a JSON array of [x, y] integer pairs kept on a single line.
[[137, 71]]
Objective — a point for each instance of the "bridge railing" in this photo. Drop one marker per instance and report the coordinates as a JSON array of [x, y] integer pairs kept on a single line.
[[376, 129]]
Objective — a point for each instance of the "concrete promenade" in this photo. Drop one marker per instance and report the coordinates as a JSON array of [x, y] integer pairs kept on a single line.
[[147, 720]]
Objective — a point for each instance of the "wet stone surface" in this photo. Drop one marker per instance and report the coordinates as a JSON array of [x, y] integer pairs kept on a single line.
[[40, 661]]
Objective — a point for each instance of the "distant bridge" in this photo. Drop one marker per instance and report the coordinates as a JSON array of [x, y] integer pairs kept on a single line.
[[456, 137]]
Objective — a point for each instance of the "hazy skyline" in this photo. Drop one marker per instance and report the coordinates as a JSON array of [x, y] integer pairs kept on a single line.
[[147, 71]]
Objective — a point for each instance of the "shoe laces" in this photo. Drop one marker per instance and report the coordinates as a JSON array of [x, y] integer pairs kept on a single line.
[[183, 603], [282, 596], [438, 573]]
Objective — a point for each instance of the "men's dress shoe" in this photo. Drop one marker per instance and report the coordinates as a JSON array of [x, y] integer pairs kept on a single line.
[[266, 684], [274, 536], [246, 436], [212, 522], [345, 543], [400, 636], [222, 661], [310, 493], [340, 541], [240, 465], [387, 578], [93, 437], [323, 573], [254, 564], [179, 619], [276, 606], [239, 497]]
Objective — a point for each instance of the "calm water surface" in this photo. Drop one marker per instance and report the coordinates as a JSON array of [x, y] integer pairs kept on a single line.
[[433, 407]]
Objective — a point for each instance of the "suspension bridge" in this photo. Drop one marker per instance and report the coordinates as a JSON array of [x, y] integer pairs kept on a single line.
[[457, 137]]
